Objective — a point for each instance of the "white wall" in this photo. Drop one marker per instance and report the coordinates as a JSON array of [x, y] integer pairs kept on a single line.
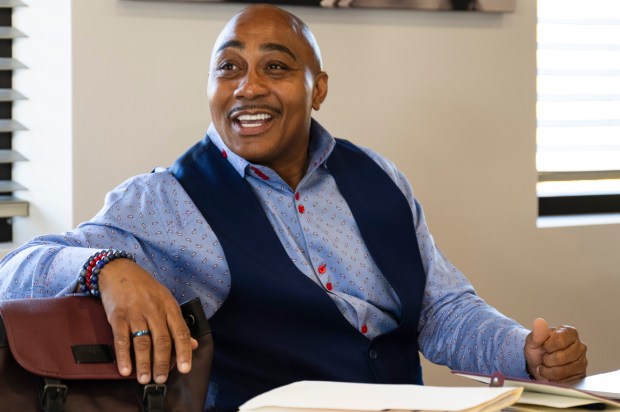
[[46, 83], [449, 97]]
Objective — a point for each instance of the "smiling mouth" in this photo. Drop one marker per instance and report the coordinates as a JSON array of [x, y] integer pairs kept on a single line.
[[253, 120]]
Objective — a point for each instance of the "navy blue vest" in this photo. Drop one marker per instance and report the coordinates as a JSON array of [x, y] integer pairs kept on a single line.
[[277, 326]]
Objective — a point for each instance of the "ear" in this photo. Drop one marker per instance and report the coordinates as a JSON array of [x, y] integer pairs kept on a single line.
[[319, 93]]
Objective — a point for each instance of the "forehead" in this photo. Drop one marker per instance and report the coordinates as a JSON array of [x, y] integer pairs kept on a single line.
[[257, 29]]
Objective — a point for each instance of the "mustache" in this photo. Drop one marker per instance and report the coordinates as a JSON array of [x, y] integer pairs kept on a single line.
[[253, 107]]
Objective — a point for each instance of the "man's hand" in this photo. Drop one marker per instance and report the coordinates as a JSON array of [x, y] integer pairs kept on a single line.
[[135, 301], [555, 354]]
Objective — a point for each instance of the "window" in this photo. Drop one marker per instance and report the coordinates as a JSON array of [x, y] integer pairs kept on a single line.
[[10, 206], [578, 108]]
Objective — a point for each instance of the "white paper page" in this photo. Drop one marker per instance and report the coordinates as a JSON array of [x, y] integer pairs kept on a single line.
[[375, 397], [521, 407], [550, 393], [604, 384], [536, 398]]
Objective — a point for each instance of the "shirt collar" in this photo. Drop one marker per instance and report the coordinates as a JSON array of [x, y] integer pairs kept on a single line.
[[321, 145]]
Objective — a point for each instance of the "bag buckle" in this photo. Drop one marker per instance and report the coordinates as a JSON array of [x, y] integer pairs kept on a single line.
[[154, 389], [153, 397], [54, 394]]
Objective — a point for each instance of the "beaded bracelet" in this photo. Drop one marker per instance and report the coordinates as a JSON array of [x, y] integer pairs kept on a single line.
[[88, 279]]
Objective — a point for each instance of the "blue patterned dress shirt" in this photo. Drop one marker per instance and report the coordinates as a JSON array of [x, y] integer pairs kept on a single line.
[[152, 216]]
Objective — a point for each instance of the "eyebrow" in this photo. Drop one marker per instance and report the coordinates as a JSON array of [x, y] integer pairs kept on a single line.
[[231, 43], [236, 44], [278, 47]]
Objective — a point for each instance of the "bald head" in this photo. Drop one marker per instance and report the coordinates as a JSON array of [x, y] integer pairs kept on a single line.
[[265, 80], [258, 15]]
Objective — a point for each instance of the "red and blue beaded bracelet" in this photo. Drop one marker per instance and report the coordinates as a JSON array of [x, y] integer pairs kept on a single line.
[[88, 280]]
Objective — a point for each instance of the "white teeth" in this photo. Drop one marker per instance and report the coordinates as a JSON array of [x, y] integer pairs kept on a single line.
[[253, 120], [253, 117]]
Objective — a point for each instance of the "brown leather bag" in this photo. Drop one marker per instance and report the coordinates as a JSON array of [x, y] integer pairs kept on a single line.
[[57, 354]]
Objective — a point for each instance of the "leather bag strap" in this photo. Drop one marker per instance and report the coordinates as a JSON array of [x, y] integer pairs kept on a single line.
[[154, 395], [54, 393]]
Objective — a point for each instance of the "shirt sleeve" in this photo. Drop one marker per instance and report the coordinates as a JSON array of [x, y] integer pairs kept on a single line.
[[457, 328], [44, 267], [150, 216], [49, 265]]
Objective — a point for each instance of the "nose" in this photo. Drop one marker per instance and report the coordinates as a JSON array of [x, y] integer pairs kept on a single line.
[[251, 86]]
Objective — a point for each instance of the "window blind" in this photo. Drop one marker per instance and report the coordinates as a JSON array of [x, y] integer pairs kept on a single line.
[[10, 205], [578, 107]]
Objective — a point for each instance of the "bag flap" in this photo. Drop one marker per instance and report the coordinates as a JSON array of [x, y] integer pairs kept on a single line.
[[65, 338]]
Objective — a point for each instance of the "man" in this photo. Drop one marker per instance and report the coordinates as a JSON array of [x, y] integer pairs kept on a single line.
[[311, 256]]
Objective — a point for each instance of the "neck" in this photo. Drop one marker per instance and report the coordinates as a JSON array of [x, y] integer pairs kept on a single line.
[[294, 172]]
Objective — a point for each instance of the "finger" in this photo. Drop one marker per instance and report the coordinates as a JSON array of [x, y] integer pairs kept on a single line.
[[561, 338], [122, 344], [534, 350], [540, 332], [183, 341], [142, 352], [565, 356], [565, 373], [162, 349]]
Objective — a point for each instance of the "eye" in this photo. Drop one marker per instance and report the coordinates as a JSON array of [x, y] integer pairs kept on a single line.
[[277, 67], [227, 66]]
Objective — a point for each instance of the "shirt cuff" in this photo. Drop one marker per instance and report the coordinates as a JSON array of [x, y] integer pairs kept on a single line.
[[70, 261], [512, 357]]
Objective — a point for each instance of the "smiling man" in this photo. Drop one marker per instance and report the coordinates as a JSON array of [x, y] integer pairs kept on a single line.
[[311, 255], [263, 84]]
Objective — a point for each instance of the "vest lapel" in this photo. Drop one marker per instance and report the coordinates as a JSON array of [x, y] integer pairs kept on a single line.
[[385, 222]]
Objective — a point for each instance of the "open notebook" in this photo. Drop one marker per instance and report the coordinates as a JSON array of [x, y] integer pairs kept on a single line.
[[606, 385], [587, 394], [322, 396]]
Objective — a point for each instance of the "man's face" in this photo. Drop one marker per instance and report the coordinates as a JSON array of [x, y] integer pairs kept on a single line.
[[263, 84]]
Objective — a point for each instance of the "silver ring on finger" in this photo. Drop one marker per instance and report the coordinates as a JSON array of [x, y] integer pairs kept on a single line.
[[141, 332]]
